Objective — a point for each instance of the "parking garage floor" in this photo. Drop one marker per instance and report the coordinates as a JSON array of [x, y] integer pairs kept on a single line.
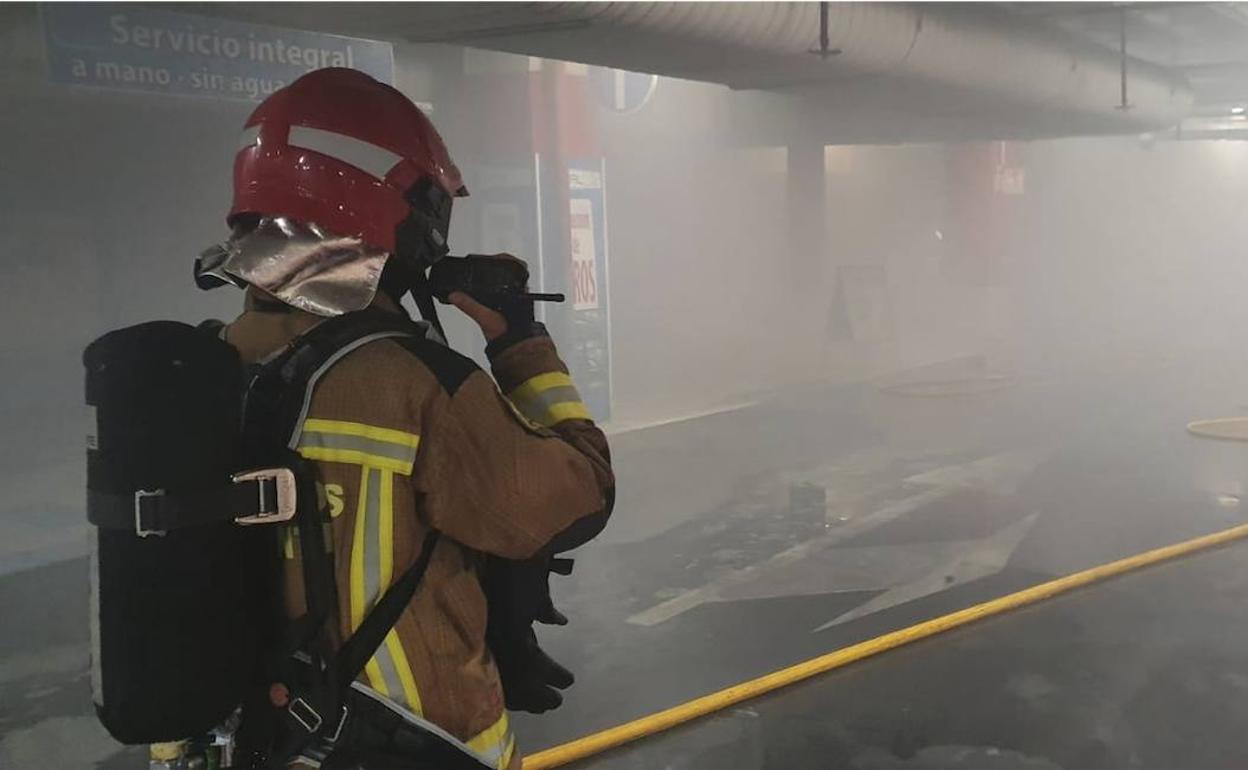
[[1146, 671], [751, 540]]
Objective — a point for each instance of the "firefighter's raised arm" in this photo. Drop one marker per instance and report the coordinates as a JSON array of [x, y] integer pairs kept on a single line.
[[517, 472]]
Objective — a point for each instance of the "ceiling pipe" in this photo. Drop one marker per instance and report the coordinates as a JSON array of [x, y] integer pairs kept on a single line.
[[768, 45]]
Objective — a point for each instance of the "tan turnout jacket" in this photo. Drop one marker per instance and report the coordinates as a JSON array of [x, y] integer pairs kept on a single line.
[[404, 441]]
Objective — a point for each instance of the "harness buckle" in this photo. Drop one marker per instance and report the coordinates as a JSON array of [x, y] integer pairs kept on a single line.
[[338, 730], [305, 715], [279, 508], [139, 495]]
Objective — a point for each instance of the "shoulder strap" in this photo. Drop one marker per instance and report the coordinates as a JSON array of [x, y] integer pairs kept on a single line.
[[356, 651], [280, 391]]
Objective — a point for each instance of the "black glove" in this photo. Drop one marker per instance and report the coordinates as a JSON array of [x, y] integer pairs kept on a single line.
[[498, 281], [531, 678], [518, 593], [517, 310]]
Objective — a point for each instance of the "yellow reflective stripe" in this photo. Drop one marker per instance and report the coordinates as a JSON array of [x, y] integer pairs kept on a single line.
[[406, 678], [549, 399], [356, 457], [568, 410], [491, 738], [371, 572], [344, 428], [535, 386], [507, 753], [358, 444], [360, 599], [398, 658], [495, 744], [378, 682]]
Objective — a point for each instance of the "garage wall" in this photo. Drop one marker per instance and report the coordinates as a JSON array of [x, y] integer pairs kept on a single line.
[[1132, 248]]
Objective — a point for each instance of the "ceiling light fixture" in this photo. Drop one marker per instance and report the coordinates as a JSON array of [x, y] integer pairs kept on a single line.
[[1237, 110]]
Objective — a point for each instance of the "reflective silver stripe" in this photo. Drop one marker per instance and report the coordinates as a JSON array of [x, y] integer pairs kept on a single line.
[[325, 367], [373, 543], [313, 756], [389, 674], [396, 452], [363, 155], [537, 408], [250, 136], [416, 721]]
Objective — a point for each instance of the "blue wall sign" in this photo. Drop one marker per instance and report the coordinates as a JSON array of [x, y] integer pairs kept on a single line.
[[131, 47]]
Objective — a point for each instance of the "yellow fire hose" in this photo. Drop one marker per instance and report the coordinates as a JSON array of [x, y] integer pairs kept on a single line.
[[708, 704]]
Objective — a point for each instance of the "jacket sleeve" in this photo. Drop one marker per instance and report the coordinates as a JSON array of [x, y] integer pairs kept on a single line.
[[520, 474]]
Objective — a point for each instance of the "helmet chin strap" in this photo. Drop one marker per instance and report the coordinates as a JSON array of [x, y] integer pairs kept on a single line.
[[423, 298], [421, 241]]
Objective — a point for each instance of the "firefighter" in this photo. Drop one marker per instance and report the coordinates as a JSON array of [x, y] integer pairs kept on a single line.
[[342, 196]]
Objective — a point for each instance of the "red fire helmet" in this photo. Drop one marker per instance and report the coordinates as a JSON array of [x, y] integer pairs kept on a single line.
[[338, 149]]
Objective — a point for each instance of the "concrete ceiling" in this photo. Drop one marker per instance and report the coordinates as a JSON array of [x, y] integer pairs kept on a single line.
[[1207, 43]]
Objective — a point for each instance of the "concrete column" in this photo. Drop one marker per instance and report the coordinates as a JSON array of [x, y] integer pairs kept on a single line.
[[807, 214]]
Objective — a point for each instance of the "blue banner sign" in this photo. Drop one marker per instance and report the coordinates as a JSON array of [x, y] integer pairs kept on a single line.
[[131, 47]]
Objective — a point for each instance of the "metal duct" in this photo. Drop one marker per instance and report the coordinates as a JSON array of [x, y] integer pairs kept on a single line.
[[769, 46]]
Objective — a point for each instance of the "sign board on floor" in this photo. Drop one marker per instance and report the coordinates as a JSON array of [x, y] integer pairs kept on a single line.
[[860, 305], [135, 48]]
